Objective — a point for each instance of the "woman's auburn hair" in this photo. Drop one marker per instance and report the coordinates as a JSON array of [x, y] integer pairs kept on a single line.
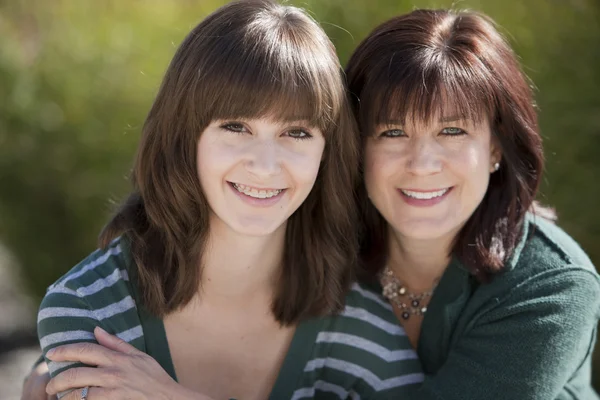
[[249, 59], [429, 63]]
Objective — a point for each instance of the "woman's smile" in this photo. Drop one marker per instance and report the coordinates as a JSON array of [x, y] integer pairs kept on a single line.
[[421, 198]]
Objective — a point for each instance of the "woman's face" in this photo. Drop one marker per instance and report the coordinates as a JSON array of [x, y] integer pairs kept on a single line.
[[427, 179], [255, 173]]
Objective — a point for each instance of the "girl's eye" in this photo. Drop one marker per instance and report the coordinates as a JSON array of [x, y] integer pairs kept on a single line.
[[234, 127], [393, 133], [453, 131], [299, 134]]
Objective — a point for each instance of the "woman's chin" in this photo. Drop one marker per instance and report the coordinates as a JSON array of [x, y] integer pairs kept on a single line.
[[425, 228]]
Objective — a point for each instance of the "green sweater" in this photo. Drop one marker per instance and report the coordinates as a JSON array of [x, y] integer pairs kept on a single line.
[[527, 335]]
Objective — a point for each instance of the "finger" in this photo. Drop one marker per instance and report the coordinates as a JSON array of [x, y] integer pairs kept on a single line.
[[77, 378], [42, 368], [84, 352], [34, 386], [94, 393], [113, 342], [33, 390], [75, 394]]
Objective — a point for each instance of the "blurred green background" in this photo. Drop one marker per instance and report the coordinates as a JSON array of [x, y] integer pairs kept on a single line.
[[77, 78]]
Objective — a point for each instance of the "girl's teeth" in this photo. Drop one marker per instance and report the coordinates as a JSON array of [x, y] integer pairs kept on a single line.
[[424, 195], [252, 192]]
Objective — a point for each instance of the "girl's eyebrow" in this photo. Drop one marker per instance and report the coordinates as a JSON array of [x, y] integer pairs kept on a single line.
[[392, 122], [300, 118]]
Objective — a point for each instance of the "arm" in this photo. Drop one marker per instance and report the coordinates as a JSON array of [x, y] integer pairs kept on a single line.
[[34, 386], [64, 317], [122, 372], [80, 353], [527, 346]]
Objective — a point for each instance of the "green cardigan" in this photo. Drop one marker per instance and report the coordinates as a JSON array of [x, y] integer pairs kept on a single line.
[[529, 334]]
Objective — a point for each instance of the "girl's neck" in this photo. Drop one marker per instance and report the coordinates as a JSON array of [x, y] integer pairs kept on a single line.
[[239, 270], [418, 263]]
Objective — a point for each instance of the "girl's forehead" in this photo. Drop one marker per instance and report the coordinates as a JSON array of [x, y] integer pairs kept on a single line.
[[270, 118], [273, 116]]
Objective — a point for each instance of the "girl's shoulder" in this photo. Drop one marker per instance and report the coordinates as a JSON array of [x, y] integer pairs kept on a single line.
[[366, 298], [95, 292], [362, 351], [101, 269]]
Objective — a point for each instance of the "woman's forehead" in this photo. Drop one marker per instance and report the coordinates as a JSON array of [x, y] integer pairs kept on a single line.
[[409, 100], [439, 117]]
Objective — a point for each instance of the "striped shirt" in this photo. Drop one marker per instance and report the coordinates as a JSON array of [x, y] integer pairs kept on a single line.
[[360, 353]]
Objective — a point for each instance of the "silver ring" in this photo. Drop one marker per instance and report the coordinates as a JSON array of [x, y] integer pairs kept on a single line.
[[84, 393]]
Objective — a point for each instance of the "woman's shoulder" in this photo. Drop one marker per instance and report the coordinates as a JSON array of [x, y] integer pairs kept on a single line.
[[547, 267], [547, 250], [548, 241]]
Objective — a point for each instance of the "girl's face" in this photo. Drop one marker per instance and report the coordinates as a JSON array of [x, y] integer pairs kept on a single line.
[[255, 173], [427, 179]]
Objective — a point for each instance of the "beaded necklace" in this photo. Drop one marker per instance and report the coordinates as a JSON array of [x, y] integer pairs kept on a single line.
[[396, 292]]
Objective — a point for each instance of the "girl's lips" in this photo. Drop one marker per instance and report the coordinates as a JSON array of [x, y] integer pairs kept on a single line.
[[257, 202]]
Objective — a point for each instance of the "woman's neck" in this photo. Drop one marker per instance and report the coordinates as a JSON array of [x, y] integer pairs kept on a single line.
[[240, 270], [418, 263]]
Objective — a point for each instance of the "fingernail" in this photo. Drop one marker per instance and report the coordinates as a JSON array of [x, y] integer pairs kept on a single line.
[[101, 330], [50, 353]]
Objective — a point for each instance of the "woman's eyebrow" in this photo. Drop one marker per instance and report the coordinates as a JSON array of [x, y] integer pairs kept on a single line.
[[452, 118]]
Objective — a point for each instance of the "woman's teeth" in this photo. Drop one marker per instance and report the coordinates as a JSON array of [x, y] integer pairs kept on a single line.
[[256, 193], [424, 195]]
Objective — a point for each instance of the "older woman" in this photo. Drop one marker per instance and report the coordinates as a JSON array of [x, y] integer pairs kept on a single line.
[[499, 302]]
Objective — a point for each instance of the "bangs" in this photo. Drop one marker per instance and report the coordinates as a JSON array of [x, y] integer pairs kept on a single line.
[[427, 91], [271, 74]]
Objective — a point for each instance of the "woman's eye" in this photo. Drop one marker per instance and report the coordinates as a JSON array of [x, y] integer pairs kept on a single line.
[[453, 131], [234, 127], [299, 134], [392, 133]]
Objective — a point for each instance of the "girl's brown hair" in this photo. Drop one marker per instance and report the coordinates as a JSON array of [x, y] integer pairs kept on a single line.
[[249, 59], [415, 65]]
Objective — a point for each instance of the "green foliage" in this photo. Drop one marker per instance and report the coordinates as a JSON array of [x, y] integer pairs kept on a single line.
[[76, 81], [77, 78]]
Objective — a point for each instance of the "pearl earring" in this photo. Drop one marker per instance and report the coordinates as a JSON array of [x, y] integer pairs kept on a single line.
[[496, 167]]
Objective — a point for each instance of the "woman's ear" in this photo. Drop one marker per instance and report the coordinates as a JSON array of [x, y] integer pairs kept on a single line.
[[495, 154]]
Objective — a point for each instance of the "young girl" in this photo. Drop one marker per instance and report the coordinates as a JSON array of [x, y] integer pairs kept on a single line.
[[498, 301], [238, 240]]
